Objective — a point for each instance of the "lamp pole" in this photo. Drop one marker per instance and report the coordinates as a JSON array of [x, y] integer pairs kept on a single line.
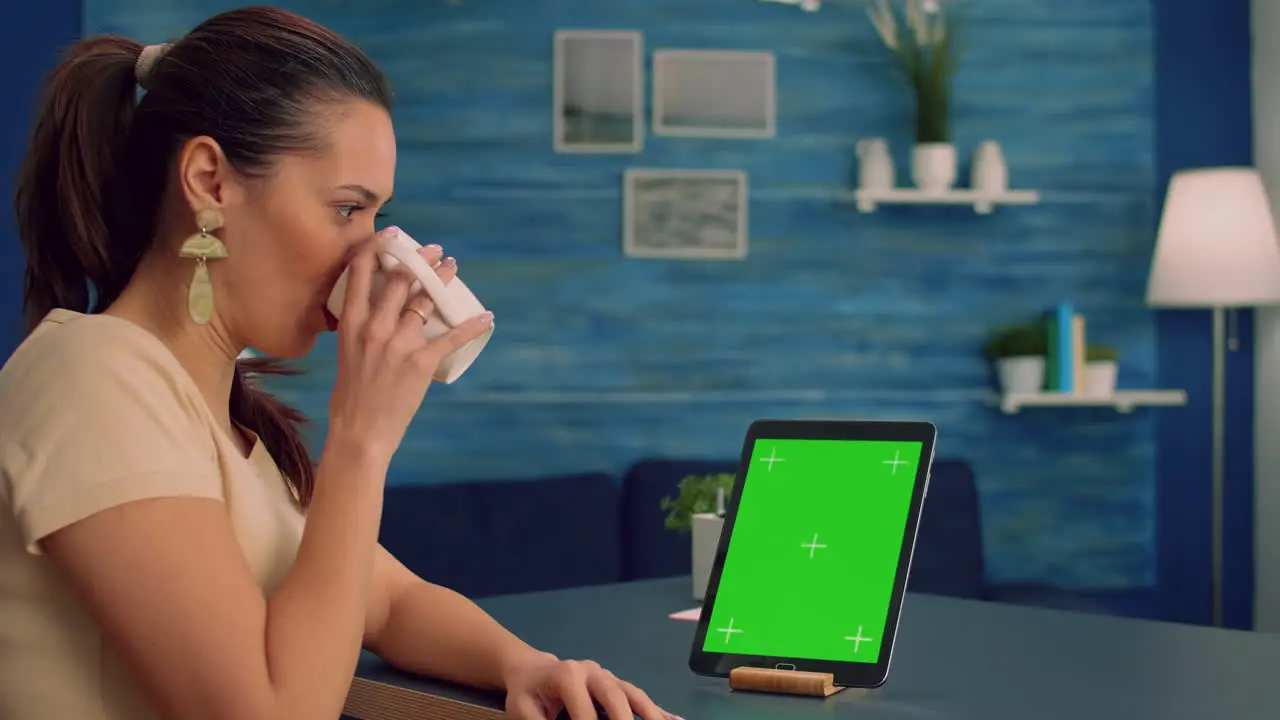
[[1218, 458]]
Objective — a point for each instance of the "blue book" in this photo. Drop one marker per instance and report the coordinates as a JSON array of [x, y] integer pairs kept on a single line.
[[1050, 351], [1064, 347]]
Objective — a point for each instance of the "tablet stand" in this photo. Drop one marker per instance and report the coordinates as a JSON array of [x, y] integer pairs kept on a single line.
[[785, 682]]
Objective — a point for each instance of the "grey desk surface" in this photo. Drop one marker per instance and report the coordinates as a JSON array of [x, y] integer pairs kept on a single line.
[[953, 659]]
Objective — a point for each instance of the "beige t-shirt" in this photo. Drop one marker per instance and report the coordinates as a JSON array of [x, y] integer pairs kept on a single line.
[[96, 412]]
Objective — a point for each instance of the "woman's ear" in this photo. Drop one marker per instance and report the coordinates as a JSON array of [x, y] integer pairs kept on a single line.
[[205, 176]]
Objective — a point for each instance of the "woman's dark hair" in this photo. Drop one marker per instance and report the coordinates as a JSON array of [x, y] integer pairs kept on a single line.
[[91, 185]]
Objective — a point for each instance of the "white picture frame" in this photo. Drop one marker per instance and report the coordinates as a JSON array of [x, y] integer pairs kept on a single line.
[[598, 91], [726, 94], [685, 214]]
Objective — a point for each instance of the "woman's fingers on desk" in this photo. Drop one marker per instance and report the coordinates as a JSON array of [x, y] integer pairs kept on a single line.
[[622, 700], [584, 690], [638, 699]]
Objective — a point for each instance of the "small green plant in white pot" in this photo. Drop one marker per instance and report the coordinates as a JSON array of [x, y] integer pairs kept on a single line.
[[1101, 368], [924, 47], [1018, 353], [694, 510]]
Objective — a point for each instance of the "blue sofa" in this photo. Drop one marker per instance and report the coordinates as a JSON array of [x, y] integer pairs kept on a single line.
[[497, 538], [511, 536]]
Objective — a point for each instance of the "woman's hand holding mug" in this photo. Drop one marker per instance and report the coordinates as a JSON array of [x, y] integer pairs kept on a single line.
[[385, 364]]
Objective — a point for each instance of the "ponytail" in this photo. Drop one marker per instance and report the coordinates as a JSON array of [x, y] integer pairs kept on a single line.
[[275, 423], [88, 193], [68, 219]]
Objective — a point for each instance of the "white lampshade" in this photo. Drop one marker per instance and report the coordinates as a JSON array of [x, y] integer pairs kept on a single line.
[[1217, 244]]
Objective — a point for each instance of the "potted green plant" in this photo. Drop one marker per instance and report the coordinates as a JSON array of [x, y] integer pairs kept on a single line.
[[1101, 368], [693, 510], [924, 47], [1018, 352]]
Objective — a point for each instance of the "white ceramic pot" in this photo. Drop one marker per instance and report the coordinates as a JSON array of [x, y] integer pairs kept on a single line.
[[705, 529], [1100, 378], [1021, 374], [933, 166]]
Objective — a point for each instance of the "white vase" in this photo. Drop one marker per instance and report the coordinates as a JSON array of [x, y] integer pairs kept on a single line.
[[1020, 375], [875, 164], [933, 166], [989, 173], [705, 530], [1100, 378]]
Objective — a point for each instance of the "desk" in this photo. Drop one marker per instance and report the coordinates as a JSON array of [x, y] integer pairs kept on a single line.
[[954, 659]]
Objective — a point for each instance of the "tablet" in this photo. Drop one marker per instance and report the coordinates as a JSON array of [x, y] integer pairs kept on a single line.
[[813, 560]]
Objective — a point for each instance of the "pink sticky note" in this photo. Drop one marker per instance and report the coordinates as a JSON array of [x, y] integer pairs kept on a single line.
[[690, 614]]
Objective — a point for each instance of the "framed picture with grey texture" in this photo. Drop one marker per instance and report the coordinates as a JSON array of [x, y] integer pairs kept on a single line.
[[685, 214], [598, 91]]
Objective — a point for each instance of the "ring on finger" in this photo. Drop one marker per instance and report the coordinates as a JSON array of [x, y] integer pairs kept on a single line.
[[417, 312]]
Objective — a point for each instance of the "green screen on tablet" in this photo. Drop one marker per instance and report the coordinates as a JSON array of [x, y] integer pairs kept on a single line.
[[810, 567]]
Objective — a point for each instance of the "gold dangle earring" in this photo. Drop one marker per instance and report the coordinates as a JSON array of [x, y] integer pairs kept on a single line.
[[202, 247]]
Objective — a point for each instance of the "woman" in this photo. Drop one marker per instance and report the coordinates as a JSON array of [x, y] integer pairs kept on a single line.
[[154, 560]]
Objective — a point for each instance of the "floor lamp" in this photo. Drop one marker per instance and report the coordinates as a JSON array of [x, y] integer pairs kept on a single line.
[[1216, 248]]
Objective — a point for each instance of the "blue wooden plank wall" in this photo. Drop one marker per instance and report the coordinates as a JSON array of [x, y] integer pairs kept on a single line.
[[600, 360]]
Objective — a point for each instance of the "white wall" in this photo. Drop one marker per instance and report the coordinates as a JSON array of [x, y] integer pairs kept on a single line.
[[1266, 132]]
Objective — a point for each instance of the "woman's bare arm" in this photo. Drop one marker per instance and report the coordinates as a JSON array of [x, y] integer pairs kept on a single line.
[[169, 586], [431, 630]]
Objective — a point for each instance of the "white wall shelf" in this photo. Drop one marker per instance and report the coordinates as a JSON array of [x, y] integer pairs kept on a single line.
[[983, 202], [1123, 401]]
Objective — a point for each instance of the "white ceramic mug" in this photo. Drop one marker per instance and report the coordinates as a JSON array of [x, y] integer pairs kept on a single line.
[[454, 303]]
